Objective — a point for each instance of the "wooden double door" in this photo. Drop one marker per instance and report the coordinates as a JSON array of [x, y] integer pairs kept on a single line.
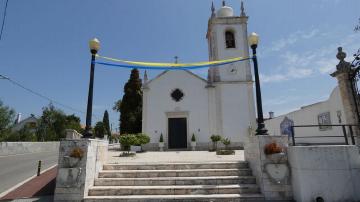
[[177, 133]]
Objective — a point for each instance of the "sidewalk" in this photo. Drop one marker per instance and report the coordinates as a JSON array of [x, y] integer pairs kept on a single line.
[[43, 185]]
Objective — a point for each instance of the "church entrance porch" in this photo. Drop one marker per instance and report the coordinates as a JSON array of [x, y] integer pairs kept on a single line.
[[177, 133]]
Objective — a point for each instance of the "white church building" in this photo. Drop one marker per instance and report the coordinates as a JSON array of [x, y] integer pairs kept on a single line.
[[178, 104]]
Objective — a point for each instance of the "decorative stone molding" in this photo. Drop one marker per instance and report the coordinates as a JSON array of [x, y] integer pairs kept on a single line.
[[273, 174], [342, 73], [72, 184]]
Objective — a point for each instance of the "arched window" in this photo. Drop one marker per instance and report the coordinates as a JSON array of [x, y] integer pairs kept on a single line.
[[229, 39]]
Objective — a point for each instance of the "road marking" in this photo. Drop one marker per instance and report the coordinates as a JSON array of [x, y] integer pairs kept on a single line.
[[26, 154], [23, 182]]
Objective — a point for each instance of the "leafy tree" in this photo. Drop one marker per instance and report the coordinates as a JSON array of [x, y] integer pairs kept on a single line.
[[99, 129], [26, 134], [107, 125], [131, 105], [53, 122], [357, 27], [6, 117]]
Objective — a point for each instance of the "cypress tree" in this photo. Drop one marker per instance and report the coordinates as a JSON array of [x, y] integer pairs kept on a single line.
[[107, 125], [131, 105]]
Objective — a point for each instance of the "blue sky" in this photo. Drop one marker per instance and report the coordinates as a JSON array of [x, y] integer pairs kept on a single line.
[[45, 47]]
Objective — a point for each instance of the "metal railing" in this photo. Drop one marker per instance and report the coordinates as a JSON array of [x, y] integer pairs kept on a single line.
[[345, 135]]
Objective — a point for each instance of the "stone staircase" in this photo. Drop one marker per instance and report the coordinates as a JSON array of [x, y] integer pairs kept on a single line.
[[210, 181]]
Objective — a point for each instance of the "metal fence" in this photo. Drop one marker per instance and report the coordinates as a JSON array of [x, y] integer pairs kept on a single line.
[[345, 135]]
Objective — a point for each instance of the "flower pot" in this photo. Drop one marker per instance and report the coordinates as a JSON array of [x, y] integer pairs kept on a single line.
[[71, 162], [161, 146], [193, 145], [135, 148]]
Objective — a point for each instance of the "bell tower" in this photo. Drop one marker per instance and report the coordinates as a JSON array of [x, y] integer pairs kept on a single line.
[[227, 38]]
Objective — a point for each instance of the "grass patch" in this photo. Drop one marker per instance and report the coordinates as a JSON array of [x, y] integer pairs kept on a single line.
[[125, 154], [225, 152]]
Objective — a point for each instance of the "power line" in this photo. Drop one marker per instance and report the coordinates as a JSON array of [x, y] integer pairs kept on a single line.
[[3, 21], [43, 96]]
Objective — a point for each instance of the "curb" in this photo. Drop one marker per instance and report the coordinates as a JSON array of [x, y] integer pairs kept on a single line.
[[25, 181]]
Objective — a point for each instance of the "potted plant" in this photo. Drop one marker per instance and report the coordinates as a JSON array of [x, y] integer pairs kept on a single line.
[[215, 139], [193, 142], [126, 141], [74, 158], [161, 142], [226, 151], [274, 151], [141, 140]]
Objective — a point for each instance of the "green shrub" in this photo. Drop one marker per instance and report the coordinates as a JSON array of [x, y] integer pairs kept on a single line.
[[226, 142], [127, 140], [142, 139], [215, 139], [161, 138], [193, 139]]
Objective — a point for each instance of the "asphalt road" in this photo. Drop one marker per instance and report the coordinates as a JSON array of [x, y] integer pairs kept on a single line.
[[17, 168]]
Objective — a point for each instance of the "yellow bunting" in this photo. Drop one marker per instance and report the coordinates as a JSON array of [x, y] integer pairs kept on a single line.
[[155, 64]]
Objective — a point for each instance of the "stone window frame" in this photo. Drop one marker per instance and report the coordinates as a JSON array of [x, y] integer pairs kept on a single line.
[[175, 99], [232, 32], [324, 118]]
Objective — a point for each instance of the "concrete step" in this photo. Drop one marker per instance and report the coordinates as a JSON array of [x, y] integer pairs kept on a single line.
[[173, 173], [173, 190], [156, 181], [177, 166], [182, 198]]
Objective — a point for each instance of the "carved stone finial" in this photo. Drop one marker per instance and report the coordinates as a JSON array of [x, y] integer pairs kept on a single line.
[[145, 77], [212, 9], [242, 9], [340, 55], [343, 66]]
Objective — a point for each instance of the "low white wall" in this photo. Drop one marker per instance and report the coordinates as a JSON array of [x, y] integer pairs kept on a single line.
[[308, 115], [330, 172], [73, 183], [12, 148]]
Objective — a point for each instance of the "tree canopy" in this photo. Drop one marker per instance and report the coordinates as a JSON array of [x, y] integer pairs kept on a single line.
[[131, 105]]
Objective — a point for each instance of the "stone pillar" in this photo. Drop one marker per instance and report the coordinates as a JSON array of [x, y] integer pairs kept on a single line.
[[272, 172], [343, 74], [76, 175]]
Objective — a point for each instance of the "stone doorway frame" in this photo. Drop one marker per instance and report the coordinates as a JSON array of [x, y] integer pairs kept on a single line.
[[176, 114]]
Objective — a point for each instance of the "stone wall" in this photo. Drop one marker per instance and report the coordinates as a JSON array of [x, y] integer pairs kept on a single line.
[[73, 181], [272, 171], [330, 172], [13, 148]]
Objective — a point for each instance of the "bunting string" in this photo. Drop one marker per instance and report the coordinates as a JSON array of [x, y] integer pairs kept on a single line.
[[166, 66]]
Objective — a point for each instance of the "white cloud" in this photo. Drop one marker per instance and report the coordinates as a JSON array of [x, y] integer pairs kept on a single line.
[[292, 39], [320, 60]]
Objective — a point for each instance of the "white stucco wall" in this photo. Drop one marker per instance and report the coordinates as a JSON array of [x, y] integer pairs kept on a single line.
[[330, 172], [217, 29], [308, 115], [237, 110], [159, 104]]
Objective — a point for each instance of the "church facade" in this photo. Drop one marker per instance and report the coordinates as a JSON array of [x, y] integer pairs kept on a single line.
[[179, 103]]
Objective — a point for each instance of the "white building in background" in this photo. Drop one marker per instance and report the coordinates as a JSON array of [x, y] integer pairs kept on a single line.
[[30, 122], [179, 103], [329, 112]]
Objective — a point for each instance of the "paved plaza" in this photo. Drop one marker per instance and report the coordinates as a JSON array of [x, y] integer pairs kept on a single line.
[[173, 157]]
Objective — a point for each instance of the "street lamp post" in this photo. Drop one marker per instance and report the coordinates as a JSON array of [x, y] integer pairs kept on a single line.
[[253, 42], [94, 46]]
